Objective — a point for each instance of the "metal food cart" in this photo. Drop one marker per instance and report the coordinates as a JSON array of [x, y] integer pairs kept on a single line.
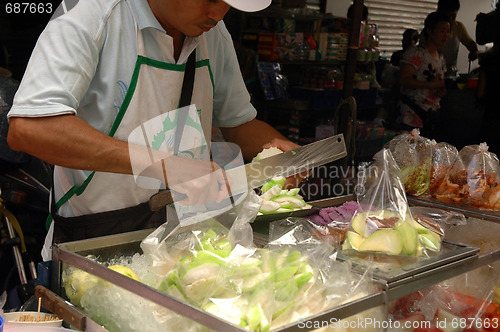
[[460, 254]]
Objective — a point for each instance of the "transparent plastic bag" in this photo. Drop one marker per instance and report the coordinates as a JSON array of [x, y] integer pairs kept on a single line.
[[473, 179], [436, 219], [214, 266], [331, 223], [413, 155], [463, 303], [384, 223], [444, 156], [334, 282], [165, 245]]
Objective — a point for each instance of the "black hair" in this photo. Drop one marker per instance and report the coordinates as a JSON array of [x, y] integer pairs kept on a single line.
[[350, 11], [448, 5], [432, 20], [409, 36]]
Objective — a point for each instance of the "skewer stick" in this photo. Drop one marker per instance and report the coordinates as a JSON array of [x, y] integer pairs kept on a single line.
[[39, 305]]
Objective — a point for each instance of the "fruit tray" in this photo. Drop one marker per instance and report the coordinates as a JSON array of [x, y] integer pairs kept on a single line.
[[108, 247], [395, 270], [467, 210]]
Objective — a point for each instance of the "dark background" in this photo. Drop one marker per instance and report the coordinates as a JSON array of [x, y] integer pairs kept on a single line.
[[18, 35]]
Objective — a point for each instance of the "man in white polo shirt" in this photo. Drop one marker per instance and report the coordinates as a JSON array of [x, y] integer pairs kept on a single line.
[[105, 68]]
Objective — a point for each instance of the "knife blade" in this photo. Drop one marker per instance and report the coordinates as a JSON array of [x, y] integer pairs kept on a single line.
[[285, 164]]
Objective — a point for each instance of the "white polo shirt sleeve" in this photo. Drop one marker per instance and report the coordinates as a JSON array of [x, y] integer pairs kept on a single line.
[[232, 105], [60, 69]]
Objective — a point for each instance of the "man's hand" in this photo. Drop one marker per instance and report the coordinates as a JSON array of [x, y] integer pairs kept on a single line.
[[200, 181], [286, 145], [473, 55]]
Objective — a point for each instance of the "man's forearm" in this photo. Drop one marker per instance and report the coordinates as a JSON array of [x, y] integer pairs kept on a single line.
[[252, 136], [70, 142]]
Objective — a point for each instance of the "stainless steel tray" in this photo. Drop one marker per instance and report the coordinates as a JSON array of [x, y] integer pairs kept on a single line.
[[74, 254], [408, 277], [395, 270], [467, 210], [391, 269]]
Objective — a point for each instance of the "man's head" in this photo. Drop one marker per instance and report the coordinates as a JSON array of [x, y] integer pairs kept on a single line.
[[193, 17], [449, 7], [364, 15]]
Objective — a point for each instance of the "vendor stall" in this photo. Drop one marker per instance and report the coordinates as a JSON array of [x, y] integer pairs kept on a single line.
[[465, 248]]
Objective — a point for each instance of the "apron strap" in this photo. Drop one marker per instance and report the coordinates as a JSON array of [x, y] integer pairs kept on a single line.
[[185, 100]]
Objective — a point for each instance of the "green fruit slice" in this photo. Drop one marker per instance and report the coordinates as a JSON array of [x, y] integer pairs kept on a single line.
[[384, 240]]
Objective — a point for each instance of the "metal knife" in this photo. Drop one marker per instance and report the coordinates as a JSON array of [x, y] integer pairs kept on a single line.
[[284, 164]]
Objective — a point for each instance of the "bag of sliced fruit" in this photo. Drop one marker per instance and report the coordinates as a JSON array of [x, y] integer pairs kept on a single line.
[[413, 155], [383, 222], [255, 288], [473, 179], [444, 156]]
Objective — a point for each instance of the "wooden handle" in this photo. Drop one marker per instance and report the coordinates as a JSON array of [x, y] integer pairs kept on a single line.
[[63, 309], [162, 199]]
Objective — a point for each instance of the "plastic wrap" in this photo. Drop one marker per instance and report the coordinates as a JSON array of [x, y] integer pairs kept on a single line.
[[335, 283], [256, 288], [473, 179], [331, 223], [384, 223], [160, 245], [413, 155], [444, 156], [463, 303], [436, 219], [116, 308], [214, 266]]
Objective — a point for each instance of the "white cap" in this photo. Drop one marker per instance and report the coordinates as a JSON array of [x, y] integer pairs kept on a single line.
[[248, 5]]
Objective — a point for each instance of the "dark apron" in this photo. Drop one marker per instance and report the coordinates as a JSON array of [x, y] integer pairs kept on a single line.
[[106, 223]]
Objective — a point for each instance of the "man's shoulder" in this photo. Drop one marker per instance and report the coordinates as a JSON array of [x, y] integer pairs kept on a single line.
[[218, 34], [460, 27], [93, 15], [90, 8]]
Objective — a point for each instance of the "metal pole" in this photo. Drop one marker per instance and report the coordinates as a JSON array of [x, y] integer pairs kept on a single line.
[[352, 51], [346, 112], [17, 253]]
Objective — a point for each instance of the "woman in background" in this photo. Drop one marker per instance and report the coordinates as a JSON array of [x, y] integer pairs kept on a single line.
[[421, 77], [410, 38]]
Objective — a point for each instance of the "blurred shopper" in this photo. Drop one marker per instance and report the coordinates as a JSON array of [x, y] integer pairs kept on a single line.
[[364, 16], [410, 38], [422, 77], [458, 35]]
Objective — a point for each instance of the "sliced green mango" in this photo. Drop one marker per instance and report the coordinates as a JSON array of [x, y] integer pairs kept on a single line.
[[269, 207], [409, 237], [271, 192], [430, 240], [358, 223], [354, 240], [384, 240], [285, 199]]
